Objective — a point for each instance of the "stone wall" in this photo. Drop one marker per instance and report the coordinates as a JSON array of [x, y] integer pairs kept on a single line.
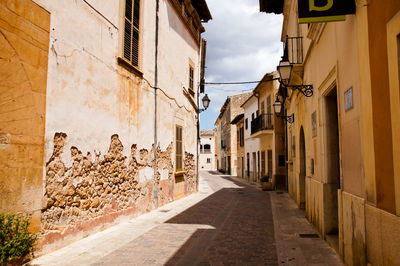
[[96, 185]]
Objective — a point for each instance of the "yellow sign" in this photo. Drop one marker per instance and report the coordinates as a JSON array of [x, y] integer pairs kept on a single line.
[[312, 11]]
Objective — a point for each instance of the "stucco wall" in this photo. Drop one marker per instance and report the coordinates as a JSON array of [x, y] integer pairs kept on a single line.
[[24, 42], [250, 144], [100, 128], [203, 165]]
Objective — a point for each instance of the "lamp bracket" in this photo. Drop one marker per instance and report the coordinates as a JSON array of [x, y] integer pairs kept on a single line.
[[289, 119], [306, 90]]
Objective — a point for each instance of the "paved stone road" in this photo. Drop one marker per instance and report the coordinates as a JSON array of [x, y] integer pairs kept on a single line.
[[229, 222]]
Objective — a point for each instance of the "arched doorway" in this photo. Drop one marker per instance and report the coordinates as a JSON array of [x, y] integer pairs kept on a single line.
[[302, 175]]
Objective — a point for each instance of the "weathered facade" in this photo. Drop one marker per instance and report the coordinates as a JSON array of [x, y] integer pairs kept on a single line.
[[342, 148], [99, 120], [227, 147]]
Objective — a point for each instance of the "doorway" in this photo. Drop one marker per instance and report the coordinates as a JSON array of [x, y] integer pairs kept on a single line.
[[242, 167], [302, 175], [333, 165], [254, 166], [248, 166], [262, 163], [229, 165], [270, 163]]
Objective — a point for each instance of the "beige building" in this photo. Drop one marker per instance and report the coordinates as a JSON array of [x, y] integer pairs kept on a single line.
[[343, 148], [240, 151], [98, 115], [269, 130], [226, 152]]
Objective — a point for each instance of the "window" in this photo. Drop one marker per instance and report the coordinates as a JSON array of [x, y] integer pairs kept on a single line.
[[131, 33], [262, 108], [262, 163], [191, 79], [178, 151], [241, 135], [269, 111], [208, 160], [246, 122], [207, 147], [269, 104]]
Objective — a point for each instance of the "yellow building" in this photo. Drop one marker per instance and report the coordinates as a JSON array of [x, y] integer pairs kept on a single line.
[[343, 148], [240, 151], [269, 129]]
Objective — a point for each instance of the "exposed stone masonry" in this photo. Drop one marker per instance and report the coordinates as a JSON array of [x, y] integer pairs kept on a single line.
[[190, 173], [96, 185]]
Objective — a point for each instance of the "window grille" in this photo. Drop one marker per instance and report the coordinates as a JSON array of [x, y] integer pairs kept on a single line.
[[131, 34]]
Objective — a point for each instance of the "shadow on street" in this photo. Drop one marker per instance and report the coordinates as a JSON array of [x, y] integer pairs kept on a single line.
[[243, 234]]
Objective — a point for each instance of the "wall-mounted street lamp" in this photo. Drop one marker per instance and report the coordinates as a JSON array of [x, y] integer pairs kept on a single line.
[[206, 102], [278, 109], [285, 72]]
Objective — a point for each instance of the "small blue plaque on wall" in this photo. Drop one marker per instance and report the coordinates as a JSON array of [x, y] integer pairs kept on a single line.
[[348, 99]]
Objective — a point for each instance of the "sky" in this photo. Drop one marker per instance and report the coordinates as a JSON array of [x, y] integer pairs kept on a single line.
[[242, 45]]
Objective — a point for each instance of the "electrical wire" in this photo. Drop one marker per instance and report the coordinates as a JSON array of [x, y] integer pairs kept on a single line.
[[238, 82]]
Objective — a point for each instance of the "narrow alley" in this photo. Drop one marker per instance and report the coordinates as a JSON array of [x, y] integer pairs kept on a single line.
[[226, 222]]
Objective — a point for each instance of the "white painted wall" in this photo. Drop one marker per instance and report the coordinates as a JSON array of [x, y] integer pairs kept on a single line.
[[90, 97], [250, 144], [203, 165]]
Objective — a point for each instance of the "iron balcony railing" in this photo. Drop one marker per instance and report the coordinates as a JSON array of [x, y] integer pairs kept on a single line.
[[293, 49], [262, 122]]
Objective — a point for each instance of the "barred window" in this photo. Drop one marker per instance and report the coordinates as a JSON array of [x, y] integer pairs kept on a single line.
[[178, 151], [131, 34]]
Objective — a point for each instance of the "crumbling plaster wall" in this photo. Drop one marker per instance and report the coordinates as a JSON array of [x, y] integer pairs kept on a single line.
[[90, 97]]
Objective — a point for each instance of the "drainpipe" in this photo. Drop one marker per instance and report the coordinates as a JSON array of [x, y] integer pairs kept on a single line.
[[198, 137], [155, 93]]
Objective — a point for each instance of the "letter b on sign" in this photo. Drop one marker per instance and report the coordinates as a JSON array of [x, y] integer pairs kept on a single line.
[[326, 7], [314, 11]]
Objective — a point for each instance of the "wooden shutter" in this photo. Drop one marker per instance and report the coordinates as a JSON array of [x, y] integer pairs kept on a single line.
[[191, 78], [179, 150], [131, 34]]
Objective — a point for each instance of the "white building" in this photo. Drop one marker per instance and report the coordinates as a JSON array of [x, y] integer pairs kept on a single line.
[[207, 150], [251, 145]]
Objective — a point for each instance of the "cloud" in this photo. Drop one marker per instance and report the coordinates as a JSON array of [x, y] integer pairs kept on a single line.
[[242, 44]]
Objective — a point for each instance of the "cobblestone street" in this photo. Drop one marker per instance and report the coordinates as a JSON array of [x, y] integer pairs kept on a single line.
[[229, 222]]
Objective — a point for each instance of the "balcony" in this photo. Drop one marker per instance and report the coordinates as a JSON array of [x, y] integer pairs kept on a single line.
[[293, 51], [205, 151], [293, 48], [262, 125]]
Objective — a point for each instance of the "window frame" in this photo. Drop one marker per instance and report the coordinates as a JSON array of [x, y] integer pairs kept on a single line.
[[121, 60], [179, 141], [191, 79]]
